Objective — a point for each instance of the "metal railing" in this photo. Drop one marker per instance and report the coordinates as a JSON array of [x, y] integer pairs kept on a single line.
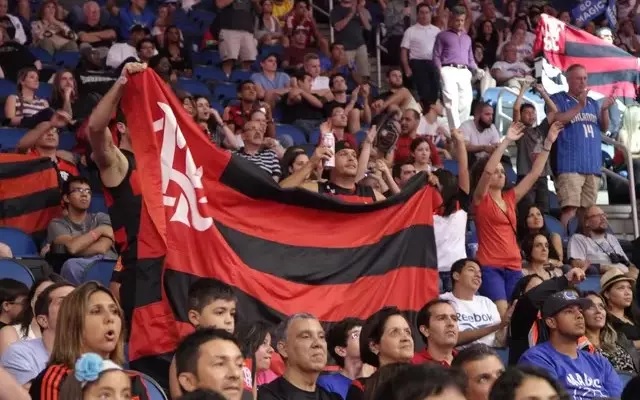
[[379, 49], [326, 14]]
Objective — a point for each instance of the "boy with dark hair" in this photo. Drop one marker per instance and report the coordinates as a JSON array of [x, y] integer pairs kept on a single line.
[[211, 359], [343, 343], [13, 295]]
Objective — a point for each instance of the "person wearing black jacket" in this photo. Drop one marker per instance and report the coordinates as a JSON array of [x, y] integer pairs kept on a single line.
[[530, 293]]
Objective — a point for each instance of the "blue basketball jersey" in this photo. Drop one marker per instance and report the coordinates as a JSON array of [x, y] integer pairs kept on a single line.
[[578, 147]]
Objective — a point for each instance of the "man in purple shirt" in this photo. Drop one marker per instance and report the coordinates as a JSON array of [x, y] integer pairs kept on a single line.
[[453, 54]]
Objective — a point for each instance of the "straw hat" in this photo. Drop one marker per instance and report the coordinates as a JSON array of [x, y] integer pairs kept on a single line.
[[611, 277]]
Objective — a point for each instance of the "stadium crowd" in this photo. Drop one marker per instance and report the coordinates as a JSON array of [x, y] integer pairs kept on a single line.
[[514, 319]]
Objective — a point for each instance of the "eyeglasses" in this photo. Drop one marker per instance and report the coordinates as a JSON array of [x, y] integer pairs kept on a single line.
[[81, 190]]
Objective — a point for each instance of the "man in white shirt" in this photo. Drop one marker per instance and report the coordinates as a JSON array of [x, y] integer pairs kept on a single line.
[[511, 72], [478, 317], [119, 52], [313, 68], [15, 30], [480, 134], [416, 54]]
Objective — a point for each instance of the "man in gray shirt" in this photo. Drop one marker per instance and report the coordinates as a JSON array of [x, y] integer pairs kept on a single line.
[[348, 18], [85, 236]]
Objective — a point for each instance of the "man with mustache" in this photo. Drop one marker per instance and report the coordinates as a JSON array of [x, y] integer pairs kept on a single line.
[[478, 317], [254, 151], [438, 325], [585, 376], [480, 134], [304, 349]]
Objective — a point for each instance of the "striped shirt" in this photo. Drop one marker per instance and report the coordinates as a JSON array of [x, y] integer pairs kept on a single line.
[[266, 159], [30, 108]]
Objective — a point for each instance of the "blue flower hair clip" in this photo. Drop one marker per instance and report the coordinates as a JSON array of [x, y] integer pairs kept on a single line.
[[90, 366]]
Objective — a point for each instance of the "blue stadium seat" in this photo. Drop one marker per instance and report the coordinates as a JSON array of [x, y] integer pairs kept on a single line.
[[265, 50], [215, 104], [9, 137], [451, 166], [101, 271], [45, 90], [625, 377], [239, 75], [67, 59], [503, 353], [154, 390], [361, 135], [42, 55], [314, 138], [97, 203], [590, 284], [510, 175], [193, 87], [554, 226], [20, 242], [296, 134], [204, 17], [67, 141], [572, 226], [554, 203], [10, 268], [7, 88], [224, 92], [207, 57], [209, 73]]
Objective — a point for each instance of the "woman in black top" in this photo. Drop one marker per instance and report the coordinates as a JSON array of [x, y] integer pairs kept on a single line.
[[618, 293], [178, 56]]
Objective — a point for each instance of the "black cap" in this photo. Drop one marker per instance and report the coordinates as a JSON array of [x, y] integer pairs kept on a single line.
[[561, 300]]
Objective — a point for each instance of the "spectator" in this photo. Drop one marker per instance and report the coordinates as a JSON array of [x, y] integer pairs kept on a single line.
[[397, 17], [616, 288], [532, 224], [121, 52], [397, 95], [43, 141], [428, 382], [416, 56], [236, 32], [530, 146], [453, 55], [511, 72], [305, 109], [27, 358], [13, 296], [65, 97], [235, 116], [535, 250], [94, 80], [437, 323], [265, 159], [348, 19], [319, 83], [271, 84], [490, 40], [604, 340], [527, 382], [355, 105], [605, 34], [15, 56], [339, 64], [294, 55], [211, 122], [431, 125], [385, 341], [162, 66], [337, 123], [410, 146], [26, 327], [11, 23], [578, 155], [498, 250], [21, 107], [403, 172], [267, 29], [208, 347], [93, 34], [592, 247], [163, 20], [293, 160], [342, 178], [256, 345], [50, 33], [136, 14], [301, 18], [482, 367], [188, 102], [585, 375], [178, 55], [95, 377], [92, 323], [477, 316], [304, 348], [480, 134], [282, 9], [84, 236], [343, 343], [145, 51]]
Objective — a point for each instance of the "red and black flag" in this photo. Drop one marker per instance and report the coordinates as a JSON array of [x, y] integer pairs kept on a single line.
[[29, 193], [612, 71], [208, 213]]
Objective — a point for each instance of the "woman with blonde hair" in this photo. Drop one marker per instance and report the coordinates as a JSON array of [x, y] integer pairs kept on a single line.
[[92, 323]]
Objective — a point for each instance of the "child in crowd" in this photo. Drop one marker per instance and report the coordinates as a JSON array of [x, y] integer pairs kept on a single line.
[[96, 378]]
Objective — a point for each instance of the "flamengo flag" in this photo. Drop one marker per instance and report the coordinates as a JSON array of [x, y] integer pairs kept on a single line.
[[612, 71], [207, 213]]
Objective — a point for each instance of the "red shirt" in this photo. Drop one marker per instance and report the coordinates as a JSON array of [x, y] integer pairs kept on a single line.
[[234, 115], [65, 168], [424, 357], [293, 22], [403, 151]]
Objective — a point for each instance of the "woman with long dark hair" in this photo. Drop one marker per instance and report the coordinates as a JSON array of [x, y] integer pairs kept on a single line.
[[179, 57], [533, 224], [495, 216], [20, 108], [518, 383], [267, 28], [256, 345], [535, 250]]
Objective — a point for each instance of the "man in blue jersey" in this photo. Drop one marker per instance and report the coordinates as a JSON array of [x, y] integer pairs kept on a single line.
[[585, 376], [578, 155]]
